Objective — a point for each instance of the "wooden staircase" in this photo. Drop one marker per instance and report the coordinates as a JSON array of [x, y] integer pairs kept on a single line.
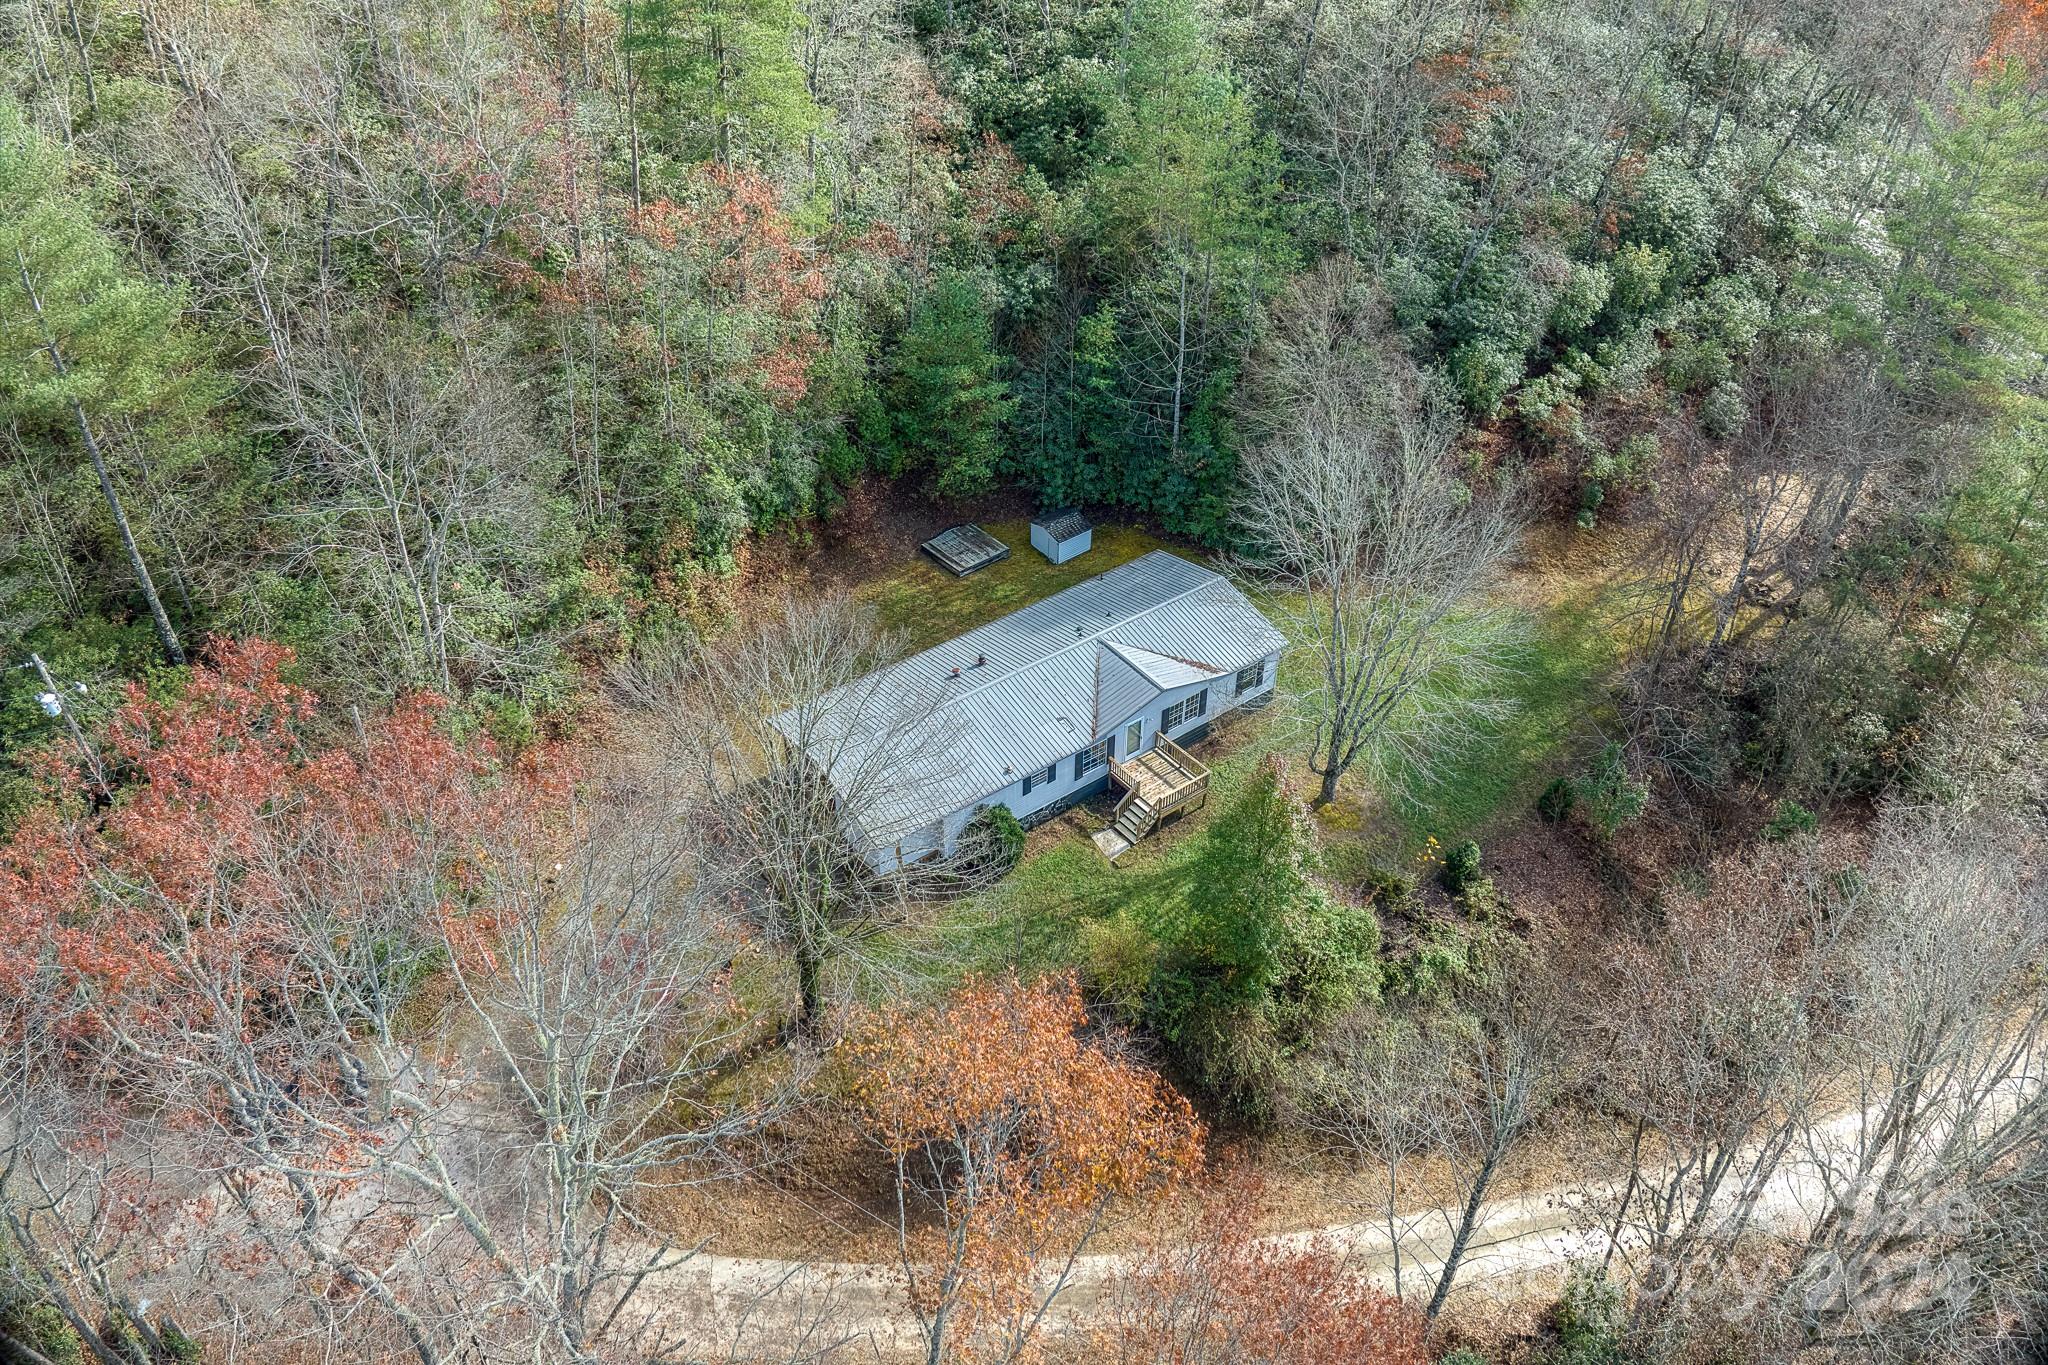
[[1165, 780]]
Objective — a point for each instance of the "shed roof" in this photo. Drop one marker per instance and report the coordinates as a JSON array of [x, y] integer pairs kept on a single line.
[[1058, 674], [1063, 525]]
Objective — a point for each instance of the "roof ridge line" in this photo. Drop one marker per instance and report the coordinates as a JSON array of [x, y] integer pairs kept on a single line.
[[951, 696]]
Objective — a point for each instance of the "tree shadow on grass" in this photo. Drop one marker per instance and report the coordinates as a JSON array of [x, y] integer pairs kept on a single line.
[[1035, 923], [1559, 689]]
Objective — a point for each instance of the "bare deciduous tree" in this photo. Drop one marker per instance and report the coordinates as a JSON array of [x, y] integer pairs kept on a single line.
[[1931, 1186], [1463, 1092], [1374, 1092], [1709, 1038], [817, 777], [1835, 1080], [1355, 517], [426, 511]]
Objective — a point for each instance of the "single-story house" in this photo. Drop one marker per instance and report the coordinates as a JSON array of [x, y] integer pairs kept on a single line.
[[1030, 710]]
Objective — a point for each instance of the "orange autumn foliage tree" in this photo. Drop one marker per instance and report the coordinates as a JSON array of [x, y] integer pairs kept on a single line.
[[2018, 32], [1011, 1136], [198, 979], [1221, 1295], [736, 292]]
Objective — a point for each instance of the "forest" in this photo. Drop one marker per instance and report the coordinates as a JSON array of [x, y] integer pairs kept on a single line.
[[443, 441]]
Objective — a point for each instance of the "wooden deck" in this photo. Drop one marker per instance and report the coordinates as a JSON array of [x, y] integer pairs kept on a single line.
[[1165, 780]]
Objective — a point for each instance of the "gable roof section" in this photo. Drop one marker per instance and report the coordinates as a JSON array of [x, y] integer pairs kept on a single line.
[[1058, 674], [1163, 670], [1121, 687]]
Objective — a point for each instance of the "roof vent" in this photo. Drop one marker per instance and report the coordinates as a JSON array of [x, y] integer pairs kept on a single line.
[[981, 661]]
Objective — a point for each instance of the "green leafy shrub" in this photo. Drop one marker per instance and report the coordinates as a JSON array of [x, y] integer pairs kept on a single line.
[[1430, 970], [1461, 867], [1626, 466], [508, 721], [1671, 209], [1468, 883], [1723, 410], [993, 841], [1625, 362], [1385, 889], [1640, 272], [1557, 800], [1549, 406], [1588, 1319], [1789, 818], [1483, 372], [1117, 957], [1261, 955], [42, 1326], [1580, 298], [1590, 498], [1610, 796], [178, 1346], [1695, 363]]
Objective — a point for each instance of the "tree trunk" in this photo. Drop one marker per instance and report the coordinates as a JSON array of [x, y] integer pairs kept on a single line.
[[1308, 46], [1468, 1221], [165, 635], [810, 971]]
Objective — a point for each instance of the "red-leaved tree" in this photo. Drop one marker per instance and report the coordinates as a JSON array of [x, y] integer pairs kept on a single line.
[[376, 1043], [1223, 1295]]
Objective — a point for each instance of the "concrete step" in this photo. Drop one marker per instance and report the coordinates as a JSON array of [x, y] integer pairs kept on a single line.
[[1112, 843]]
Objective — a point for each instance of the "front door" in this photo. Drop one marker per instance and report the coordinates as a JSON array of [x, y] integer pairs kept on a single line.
[[1133, 734]]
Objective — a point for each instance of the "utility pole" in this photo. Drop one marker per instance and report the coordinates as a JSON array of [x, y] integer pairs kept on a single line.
[[52, 702]]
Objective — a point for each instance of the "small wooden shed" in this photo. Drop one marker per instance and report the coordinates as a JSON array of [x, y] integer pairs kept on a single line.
[[1062, 535]]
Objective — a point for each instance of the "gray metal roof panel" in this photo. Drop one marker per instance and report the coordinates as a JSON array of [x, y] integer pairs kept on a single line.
[[1164, 671]]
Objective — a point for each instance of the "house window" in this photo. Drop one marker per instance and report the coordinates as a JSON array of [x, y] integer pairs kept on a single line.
[[1184, 710], [1091, 758], [1050, 772], [1250, 680]]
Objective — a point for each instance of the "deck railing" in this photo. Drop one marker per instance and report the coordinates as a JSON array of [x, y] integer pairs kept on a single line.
[[1186, 779]]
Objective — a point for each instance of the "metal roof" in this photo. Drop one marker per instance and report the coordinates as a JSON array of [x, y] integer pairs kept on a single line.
[[1033, 687], [1062, 525]]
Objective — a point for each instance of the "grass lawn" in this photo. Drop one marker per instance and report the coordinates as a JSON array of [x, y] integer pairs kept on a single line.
[[1560, 702], [931, 606]]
